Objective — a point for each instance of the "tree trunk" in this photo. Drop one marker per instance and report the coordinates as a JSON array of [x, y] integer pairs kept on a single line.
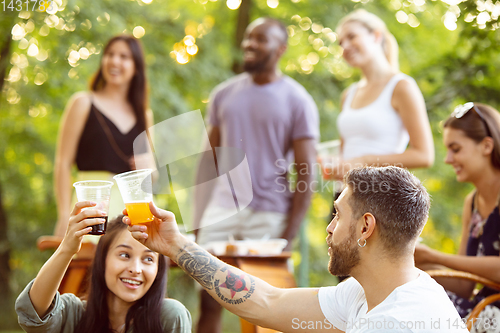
[[243, 21], [4, 255], [4, 60], [6, 307]]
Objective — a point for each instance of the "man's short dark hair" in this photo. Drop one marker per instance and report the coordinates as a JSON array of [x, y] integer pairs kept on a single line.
[[280, 25], [395, 197]]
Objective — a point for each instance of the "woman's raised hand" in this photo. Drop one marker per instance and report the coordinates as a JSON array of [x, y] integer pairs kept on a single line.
[[336, 170], [80, 224]]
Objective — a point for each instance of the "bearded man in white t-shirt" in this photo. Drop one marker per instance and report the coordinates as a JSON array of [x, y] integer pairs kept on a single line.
[[372, 238]]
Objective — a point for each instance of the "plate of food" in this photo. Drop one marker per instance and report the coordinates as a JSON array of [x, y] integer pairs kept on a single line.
[[272, 246]]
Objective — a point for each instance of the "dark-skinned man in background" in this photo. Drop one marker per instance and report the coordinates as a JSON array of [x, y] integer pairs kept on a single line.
[[274, 121]]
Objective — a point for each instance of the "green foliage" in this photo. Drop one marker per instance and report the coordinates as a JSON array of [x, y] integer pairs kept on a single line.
[[450, 67]]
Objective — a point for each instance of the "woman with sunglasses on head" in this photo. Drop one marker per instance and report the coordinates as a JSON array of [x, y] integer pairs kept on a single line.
[[98, 127], [385, 110], [472, 138], [126, 287]]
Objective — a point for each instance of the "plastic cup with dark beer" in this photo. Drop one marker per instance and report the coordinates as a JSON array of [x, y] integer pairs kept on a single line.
[[98, 191]]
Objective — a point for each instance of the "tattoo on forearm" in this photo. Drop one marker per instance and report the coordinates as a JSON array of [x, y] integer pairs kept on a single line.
[[199, 264], [231, 286], [235, 283]]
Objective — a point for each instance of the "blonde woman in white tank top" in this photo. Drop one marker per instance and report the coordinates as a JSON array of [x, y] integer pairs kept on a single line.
[[385, 111]]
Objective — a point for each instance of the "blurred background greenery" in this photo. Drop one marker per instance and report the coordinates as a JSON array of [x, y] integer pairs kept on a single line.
[[448, 46]]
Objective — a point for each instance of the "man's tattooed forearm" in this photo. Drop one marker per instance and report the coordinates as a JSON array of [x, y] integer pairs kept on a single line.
[[199, 264], [235, 284], [231, 285]]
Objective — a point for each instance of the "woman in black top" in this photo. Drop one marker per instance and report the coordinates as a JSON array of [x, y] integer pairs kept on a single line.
[[99, 127]]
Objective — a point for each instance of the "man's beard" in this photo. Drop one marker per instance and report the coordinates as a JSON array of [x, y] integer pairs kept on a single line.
[[344, 256], [256, 67]]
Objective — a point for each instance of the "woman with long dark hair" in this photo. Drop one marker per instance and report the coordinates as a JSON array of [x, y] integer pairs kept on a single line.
[[472, 138], [99, 127], [126, 290]]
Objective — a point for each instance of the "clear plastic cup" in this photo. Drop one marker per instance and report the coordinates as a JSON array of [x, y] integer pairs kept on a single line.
[[98, 191], [328, 156], [136, 188]]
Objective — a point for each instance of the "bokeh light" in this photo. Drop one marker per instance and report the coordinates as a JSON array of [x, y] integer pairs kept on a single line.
[[450, 21], [52, 21], [84, 53], [273, 3], [23, 44], [73, 58], [12, 96], [413, 21], [73, 74], [42, 55], [30, 26], [44, 30], [402, 17], [14, 74], [233, 4], [189, 40], [192, 49], [313, 58], [182, 57], [186, 49], [305, 23], [318, 43], [40, 79], [332, 36], [139, 32], [482, 18], [452, 2], [51, 8], [323, 51], [316, 28], [33, 50], [18, 32], [103, 19]]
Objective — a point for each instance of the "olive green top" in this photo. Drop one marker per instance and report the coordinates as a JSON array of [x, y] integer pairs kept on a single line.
[[67, 309]]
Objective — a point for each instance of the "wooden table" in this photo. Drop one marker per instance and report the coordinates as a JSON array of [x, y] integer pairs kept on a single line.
[[273, 269]]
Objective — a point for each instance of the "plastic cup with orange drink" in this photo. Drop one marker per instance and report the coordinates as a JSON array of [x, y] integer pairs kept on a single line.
[[136, 188]]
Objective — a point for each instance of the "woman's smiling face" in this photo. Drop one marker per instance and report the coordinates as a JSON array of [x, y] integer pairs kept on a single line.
[[467, 157], [118, 67], [358, 43], [131, 269]]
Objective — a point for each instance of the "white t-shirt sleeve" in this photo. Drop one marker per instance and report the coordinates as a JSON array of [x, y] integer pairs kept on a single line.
[[338, 302]]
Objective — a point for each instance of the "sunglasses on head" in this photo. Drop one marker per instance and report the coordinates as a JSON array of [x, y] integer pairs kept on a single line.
[[461, 110]]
